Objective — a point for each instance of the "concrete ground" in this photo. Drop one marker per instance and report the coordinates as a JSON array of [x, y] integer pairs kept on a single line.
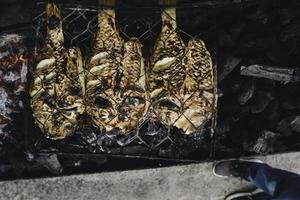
[[189, 182]]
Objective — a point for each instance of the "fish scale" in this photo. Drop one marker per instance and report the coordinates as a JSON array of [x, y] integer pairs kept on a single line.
[[177, 79], [168, 45], [200, 64], [55, 107]]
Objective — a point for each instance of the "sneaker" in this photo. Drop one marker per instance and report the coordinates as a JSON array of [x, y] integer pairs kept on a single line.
[[252, 195], [233, 167]]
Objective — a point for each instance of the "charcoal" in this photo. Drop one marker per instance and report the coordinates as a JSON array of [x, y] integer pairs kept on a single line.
[[261, 101], [247, 32], [236, 31], [3, 102], [88, 135], [286, 16], [246, 92], [225, 40], [265, 143], [13, 72], [104, 141], [1, 145], [5, 168], [236, 86], [177, 146], [16, 159], [227, 67], [287, 105], [129, 150], [284, 75], [124, 140], [154, 135], [96, 161], [29, 156], [51, 162], [224, 151], [284, 128], [258, 16], [4, 54], [276, 52], [223, 127], [273, 113], [290, 31], [295, 124]]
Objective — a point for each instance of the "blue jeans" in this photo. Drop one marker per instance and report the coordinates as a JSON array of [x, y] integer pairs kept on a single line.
[[277, 184]]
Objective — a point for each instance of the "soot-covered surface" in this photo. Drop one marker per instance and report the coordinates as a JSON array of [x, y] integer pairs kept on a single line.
[[255, 115]]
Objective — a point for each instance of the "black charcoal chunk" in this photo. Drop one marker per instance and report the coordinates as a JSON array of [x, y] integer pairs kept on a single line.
[[265, 143], [4, 168], [154, 135], [223, 126], [261, 101], [132, 150], [284, 75], [51, 162], [295, 124], [227, 67], [284, 128], [247, 91], [225, 40], [258, 16]]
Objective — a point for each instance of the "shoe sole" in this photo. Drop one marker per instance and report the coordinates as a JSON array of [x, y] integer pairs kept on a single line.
[[242, 159], [243, 194]]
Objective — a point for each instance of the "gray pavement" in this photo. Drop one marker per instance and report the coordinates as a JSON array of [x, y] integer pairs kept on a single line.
[[188, 182]]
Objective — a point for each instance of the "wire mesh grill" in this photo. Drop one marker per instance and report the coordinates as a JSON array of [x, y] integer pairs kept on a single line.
[[125, 100]]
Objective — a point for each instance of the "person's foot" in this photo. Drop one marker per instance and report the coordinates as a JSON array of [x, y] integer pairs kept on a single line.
[[233, 168], [255, 194]]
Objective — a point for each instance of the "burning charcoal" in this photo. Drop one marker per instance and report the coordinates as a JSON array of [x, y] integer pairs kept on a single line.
[[4, 111], [265, 143], [247, 91], [284, 75], [51, 162], [261, 101], [13, 72], [227, 67], [295, 124]]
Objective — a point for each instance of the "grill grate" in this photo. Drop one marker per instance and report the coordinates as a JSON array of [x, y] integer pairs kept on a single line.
[[80, 29]]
